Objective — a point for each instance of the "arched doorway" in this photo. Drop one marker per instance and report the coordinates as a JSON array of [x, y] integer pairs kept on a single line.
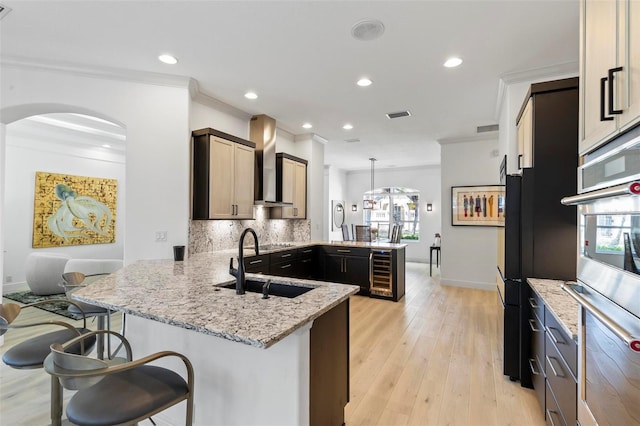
[[59, 139]]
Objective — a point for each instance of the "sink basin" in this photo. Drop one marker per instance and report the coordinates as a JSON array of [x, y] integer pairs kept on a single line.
[[275, 289]]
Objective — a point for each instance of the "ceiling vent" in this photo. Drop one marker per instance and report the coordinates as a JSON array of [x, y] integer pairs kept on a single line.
[[4, 11], [369, 29], [399, 114], [352, 140], [489, 128]]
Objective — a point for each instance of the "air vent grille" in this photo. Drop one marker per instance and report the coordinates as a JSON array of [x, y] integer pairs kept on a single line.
[[352, 140], [489, 128], [391, 115]]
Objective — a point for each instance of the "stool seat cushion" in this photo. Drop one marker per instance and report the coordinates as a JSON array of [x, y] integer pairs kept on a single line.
[[125, 396], [31, 353], [88, 309]]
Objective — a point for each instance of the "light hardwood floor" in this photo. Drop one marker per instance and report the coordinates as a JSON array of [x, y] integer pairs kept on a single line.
[[431, 359]]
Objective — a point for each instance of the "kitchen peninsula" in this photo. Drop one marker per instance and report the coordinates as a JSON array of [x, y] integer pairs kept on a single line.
[[257, 361]]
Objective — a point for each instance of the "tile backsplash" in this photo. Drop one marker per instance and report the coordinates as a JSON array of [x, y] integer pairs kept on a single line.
[[211, 235]]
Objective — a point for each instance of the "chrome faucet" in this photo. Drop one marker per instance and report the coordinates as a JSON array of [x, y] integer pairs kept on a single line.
[[239, 273]]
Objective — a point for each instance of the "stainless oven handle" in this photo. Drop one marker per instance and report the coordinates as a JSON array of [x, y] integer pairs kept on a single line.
[[624, 189], [619, 331]]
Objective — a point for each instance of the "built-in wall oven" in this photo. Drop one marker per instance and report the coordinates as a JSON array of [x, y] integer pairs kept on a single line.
[[608, 285]]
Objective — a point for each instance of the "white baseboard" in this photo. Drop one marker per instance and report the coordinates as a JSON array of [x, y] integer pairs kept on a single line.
[[416, 260], [13, 287], [468, 284]]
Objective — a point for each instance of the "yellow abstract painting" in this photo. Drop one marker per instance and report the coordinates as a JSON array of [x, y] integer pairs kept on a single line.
[[73, 210]]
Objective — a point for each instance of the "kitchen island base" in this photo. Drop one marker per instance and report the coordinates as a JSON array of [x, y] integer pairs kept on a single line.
[[239, 384]]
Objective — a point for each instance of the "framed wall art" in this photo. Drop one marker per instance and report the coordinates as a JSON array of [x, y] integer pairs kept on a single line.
[[73, 210], [477, 205]]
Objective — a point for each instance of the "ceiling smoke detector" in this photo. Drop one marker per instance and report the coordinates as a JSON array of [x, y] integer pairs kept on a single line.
[[368, 29], [4, 10], [398, 114]]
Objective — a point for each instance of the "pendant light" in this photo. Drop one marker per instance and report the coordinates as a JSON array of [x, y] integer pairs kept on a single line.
[[369, 204]]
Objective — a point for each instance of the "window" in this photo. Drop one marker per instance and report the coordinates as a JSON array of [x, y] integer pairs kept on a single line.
[[610, 231], [393, 206]]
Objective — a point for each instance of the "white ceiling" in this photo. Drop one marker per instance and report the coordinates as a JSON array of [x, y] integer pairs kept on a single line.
[[300, 58]]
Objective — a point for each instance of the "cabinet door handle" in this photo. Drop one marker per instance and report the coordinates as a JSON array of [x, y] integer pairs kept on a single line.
[[288, 265], [343, 251], [532, 303], [305, 260], [550, 414], [532, 367], [286, 255], [532, 325], [611, 91], [555, 372], [253, 262], [554, 337], [519, 162], [307, 251], [603, 83]]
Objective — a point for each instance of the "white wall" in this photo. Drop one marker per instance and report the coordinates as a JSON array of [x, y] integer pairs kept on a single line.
[[25, 156], [335, 189], [469, 253], [425, 179], [158, 134]]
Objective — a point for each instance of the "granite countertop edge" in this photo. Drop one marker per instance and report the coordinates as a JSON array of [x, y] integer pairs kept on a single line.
[[562, 306], [188, 295]]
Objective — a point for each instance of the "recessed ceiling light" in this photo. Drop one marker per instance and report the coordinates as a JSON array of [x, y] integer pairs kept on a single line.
[[453, 62], [364, 82], [307, 125], [251, 95], [106, 145], [347, 126], [168, 59]]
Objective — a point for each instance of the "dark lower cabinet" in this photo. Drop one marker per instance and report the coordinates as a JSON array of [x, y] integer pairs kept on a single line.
[[329, 359], [348, 265], [553, 364], [257, 264]]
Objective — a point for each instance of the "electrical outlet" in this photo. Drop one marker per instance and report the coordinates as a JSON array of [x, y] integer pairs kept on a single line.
[[161, 236]]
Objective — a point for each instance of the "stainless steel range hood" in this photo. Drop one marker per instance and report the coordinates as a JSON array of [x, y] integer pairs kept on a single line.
[[262, 131]]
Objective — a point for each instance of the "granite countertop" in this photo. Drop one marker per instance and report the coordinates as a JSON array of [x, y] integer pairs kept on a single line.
[[186, 294], [289, 245], [563, 306]]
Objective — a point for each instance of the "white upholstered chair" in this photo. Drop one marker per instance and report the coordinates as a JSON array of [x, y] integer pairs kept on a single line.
[[43, 271]]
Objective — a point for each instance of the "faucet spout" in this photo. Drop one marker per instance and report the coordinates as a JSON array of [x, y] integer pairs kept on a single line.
[[239, 273]]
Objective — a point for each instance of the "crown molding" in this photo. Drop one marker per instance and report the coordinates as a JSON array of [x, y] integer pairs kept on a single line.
[[487, 136], [108, 73], [531, 75], [203, 98], [393, 169]]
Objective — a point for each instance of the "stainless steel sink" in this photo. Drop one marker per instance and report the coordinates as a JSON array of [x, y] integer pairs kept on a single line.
[[275, 288]]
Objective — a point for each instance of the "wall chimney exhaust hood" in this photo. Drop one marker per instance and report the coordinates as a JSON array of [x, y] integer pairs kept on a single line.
[[262, 131]]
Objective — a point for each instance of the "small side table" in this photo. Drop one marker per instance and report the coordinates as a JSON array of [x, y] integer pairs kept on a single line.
[[431, 249]]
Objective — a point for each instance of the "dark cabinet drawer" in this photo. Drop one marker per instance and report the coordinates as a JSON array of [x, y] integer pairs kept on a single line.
[[283, 256], [347, 251], [284, 269], [538, 381], [566, 345], [257, 264], [562, 383], [536, 326], [553, 416], [536, 304], [306, 252]]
